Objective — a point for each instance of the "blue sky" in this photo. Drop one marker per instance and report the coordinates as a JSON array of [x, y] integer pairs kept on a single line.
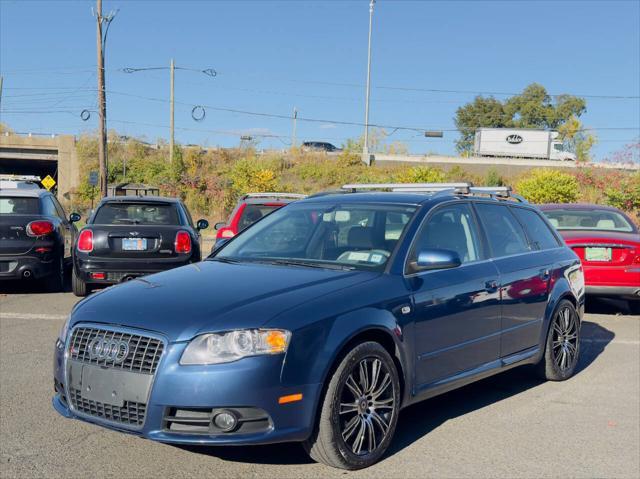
[[272, 56]]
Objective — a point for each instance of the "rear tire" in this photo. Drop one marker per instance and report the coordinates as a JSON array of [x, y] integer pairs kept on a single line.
[[359, 411], [54, 283], [562, 347], [79, 286]]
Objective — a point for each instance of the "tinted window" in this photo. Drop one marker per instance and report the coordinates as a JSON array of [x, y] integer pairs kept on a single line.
[[58, 207], [576, 219], [450, 228], [10, 205], [504, 233], [538, 232], [137, 214], [352, 235]]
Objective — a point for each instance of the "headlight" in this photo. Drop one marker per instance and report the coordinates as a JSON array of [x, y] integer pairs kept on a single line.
[[62, 337], [233, 345]]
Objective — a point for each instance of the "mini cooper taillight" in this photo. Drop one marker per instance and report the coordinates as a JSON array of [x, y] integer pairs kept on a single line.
[[183, 242], [39, 228], [85, 241]]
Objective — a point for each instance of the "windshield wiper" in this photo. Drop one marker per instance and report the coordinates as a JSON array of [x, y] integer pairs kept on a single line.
[[307, 264], [127, 220]]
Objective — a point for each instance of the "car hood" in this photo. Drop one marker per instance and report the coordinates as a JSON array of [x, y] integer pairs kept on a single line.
[[583, 236], [211, 296]]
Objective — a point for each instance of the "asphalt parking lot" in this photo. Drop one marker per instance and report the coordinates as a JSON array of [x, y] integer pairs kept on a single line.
[[507, 426]]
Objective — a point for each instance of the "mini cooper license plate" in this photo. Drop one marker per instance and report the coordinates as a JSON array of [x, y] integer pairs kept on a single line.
[[134, 244], [597, 254]]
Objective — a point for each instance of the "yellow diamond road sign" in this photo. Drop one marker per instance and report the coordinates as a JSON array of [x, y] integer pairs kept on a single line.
[[48, 182]]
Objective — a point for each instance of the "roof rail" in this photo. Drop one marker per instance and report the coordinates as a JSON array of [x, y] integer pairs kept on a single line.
[[273, 195], [410, 187], [461, 188]]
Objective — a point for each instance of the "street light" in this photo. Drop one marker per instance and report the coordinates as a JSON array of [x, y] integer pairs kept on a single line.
[[365, 147]]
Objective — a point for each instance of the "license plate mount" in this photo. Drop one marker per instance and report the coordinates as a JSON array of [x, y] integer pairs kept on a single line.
[[134, 244], [109, 386], [597, 254]]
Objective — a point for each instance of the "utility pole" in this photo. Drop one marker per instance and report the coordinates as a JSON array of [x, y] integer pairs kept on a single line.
[[102, 105], [293, 133], [1, 90], [171, 121], [365, 147]]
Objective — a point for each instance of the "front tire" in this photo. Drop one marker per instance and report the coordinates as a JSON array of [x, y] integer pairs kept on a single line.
[[634, 306], [359, 411], [79, 286], [562, 348]]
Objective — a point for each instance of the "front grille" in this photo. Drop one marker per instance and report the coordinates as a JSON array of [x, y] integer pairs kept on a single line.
[[132, 413], [144, 352]]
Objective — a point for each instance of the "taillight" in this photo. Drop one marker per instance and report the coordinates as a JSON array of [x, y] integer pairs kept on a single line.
[[183, 242], [226, 233], [85, 241], [39, 228]]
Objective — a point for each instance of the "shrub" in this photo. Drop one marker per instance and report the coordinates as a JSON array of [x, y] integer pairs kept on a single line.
[[420, 174], [494, 178], [626, 197], [548, 186]]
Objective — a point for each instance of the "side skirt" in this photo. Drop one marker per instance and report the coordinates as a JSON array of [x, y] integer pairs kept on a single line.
[[483, 371]]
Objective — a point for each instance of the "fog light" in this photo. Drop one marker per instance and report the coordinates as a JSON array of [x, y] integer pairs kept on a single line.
[[226, 421]]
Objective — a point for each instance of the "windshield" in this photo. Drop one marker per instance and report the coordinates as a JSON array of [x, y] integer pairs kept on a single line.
[[325, 235], [136, 213], [595, 220], [16, 205]]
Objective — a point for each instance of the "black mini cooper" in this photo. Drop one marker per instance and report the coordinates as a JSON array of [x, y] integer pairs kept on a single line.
[[131, 236]]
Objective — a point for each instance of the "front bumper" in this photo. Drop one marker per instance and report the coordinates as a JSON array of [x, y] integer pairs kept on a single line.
[[251, 382], [25, 267]]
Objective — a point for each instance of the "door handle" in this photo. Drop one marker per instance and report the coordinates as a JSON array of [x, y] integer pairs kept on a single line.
[[545, 274], [491, 285]]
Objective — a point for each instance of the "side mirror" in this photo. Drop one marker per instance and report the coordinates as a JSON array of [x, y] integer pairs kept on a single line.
[[74, 217], [219, 225], [429, 259], [202, 224]]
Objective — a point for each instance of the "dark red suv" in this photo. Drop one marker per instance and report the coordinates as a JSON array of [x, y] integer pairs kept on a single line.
[[251, 208]]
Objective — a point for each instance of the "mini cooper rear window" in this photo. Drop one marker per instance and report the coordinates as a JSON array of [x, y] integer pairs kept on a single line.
[[16, 205], [137, 214]]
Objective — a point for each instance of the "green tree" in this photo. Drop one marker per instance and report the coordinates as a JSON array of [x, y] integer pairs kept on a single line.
[[577, 139], [533, 108]]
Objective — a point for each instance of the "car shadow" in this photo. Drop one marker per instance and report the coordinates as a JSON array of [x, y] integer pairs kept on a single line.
[[33, 286], [420, 419], [607, 306]]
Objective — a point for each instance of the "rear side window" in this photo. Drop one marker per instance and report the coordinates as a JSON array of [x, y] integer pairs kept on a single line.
[[137, 214], [538, 232], [16, 205], [504, 233]]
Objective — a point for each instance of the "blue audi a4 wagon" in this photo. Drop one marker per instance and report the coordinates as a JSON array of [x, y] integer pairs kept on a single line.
[[320, 322]]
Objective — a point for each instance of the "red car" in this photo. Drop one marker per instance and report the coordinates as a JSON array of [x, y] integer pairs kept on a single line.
[[608, 244], [251, 208]]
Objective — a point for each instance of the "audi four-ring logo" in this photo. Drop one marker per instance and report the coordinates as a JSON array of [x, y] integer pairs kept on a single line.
[[110, 349]]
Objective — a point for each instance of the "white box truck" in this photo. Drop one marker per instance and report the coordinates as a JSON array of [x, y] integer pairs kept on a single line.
[[520, 143]]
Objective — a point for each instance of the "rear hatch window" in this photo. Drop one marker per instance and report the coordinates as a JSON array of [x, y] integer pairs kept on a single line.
[[253, 212], [16, 205], [137, 214]]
